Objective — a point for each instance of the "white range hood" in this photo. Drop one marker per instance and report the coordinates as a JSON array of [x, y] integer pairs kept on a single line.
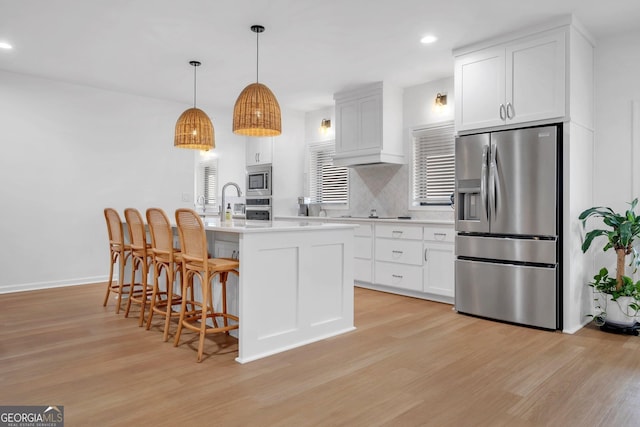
[[369, 126]]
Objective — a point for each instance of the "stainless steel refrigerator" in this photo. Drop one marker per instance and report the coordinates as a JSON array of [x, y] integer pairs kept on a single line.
[[508, 226]]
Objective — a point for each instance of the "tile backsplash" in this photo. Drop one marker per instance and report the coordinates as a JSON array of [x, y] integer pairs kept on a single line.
[[385, 188]]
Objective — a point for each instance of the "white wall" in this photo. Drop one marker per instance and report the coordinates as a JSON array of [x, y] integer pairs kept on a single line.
[[617, 143], [229, 150], [419, 104], [288, 166], [70, 151], [617, 86]]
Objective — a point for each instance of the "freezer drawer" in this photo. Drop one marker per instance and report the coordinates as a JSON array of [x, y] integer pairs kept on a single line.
[[508, 249], [512, 293]]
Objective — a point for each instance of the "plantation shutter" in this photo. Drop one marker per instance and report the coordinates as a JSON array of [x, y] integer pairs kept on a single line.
[[327, 183], [433, 164], [207, 182]]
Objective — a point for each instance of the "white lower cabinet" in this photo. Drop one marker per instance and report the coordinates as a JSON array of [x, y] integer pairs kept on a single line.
[[415, 260], [439, 259], [398, 250], [363, 253], [399, 275], [408, 259]]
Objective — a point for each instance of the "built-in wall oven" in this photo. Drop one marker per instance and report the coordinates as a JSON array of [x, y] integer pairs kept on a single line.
[[258, 209], [259, 181]]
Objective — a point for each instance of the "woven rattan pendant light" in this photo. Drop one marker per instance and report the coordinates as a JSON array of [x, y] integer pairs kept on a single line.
[[194, 128], [257, 112]]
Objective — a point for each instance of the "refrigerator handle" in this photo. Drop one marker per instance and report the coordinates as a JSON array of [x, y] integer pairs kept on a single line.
[[493, 180], [483, 179]]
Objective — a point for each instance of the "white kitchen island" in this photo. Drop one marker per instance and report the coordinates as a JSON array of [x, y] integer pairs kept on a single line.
[[295, 284]]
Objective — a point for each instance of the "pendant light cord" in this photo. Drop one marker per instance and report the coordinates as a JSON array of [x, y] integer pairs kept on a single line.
[[194, 86], [257, 55]]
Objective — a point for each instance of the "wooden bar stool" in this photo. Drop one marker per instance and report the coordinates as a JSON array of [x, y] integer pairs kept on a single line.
[[166, 259], [196, 262], [119, 252], [139, 293]]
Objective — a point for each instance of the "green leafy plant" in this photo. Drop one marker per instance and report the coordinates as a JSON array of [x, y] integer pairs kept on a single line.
[[621, 234], [608, 285]]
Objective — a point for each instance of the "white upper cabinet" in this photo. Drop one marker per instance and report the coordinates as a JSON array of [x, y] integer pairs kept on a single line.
[[479, 89], [259, 151], [369, 125], [511, 83]]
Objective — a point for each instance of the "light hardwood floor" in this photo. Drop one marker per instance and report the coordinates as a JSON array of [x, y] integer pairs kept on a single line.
[[409, 363]]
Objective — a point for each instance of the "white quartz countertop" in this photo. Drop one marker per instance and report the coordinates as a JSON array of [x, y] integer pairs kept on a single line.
[[348, 219], [242, 226]]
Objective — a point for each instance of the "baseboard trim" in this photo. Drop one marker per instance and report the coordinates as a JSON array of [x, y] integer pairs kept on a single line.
[[23, 287]]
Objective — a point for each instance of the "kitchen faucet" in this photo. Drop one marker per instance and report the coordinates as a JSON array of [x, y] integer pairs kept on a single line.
[[222, 198]]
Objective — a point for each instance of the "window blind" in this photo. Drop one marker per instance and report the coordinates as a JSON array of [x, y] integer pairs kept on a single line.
[[327, 183], [433, 164], [207, 182]]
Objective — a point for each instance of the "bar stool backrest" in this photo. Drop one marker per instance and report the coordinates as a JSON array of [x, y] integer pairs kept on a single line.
[[114, 227], [193, 238], [136, 229], [160, 230]]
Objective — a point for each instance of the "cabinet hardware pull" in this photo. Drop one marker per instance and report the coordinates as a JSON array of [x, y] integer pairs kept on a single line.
[[425, 255], [396, 233], [503, 112], [397, 276], [513, 113], [440, 235]]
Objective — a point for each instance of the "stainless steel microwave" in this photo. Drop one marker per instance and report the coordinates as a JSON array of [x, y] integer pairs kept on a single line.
[[259, 181]]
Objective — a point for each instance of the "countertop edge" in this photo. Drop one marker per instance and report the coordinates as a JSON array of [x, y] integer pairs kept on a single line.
[[293, 224], [375, 220]]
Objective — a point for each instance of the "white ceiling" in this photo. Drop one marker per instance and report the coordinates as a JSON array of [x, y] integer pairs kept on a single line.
[[310, 49]]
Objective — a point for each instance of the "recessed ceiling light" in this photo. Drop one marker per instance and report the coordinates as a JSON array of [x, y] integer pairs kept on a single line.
[[5, 45], [428, 39]]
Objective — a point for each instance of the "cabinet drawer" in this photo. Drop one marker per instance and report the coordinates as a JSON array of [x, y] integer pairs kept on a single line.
[[362, 269], [392, 231], [399, 276], [362, 247], [439, 234], [400, 251], [364, 230]]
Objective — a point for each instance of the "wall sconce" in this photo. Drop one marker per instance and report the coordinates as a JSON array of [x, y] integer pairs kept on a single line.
[[325, 125], [441, 100]]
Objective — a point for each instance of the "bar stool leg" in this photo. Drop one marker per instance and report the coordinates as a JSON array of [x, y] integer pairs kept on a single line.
[[154, 293], [113, 260], [223, 283], [121, 264], [145, 280], [183, 306], [206, 306]]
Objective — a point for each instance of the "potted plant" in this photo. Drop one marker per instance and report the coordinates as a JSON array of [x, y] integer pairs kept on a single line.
[[618, 299]]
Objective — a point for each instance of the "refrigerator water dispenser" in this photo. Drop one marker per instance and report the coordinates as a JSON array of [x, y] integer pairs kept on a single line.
[[470, 207]]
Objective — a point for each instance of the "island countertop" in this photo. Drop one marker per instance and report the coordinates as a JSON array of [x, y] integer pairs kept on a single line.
[[243, 226]]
